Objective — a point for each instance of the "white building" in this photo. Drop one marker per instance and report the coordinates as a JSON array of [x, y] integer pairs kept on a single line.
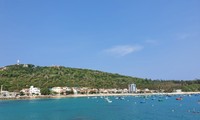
[[178, 91], [57, 90], [74, 91], [8, 94], [34, 91], [60, 90], [125, 90], [66, 89], [132, 88], [25, 91]]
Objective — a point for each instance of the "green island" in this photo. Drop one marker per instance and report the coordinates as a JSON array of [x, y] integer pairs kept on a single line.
[[16, 77]]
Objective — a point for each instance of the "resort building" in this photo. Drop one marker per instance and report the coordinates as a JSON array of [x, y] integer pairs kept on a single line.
[[178, 91], [125, 90], [66, 89], [132, 88], [83, 90], [146, 90], [8, 94], [61, 90], [74, 91], [57, 90], [112, 91], [34, 91], [24, 91], [104, 91]]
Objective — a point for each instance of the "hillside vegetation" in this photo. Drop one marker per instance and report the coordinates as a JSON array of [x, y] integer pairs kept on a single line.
[[16, 77]]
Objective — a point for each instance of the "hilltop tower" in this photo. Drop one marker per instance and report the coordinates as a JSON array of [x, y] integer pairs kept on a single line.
[[18, 62]]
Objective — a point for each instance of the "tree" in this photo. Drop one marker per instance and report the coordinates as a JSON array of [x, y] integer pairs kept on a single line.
[[45, 91], [21, 94]]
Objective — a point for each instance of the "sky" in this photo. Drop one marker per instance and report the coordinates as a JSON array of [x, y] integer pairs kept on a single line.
[[155, 39]]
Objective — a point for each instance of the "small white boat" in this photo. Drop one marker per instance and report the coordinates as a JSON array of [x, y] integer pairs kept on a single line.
[[94, 97], [119, 98], [108, 100]]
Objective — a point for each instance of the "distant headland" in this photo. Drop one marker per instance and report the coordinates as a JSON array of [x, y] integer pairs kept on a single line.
[[16, 77]]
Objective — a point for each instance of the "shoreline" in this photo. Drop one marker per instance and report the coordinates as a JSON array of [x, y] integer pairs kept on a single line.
[[91, 95]]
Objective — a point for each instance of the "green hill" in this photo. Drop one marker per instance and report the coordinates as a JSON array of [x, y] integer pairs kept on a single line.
[[16, 77]]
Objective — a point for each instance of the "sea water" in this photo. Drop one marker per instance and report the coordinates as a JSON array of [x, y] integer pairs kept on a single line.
[[98, 108]]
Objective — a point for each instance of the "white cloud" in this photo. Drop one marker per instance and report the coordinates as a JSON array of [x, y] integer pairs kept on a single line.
[[123, 50]]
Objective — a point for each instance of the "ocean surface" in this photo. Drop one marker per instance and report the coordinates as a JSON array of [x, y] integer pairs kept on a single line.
[[97, 108]]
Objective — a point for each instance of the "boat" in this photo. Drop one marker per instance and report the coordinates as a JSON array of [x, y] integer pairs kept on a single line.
[[94, 97], [179, 98], [143, 101], [108, 100], [119, 98]]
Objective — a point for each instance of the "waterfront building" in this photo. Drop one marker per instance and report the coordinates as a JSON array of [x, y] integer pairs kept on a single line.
[[93, 91], [84, 90], [112, 90], [178, 91], [104, 91], [66, 89], [74, 91], [146, 90], [125, 90], [119, 91], [24, 91], [57, 90], [132, 88], [8, 94], [61, 90], [4, 93], [34, 91]]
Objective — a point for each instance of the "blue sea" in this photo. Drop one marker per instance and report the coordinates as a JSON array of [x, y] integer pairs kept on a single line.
[[97, 108]]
